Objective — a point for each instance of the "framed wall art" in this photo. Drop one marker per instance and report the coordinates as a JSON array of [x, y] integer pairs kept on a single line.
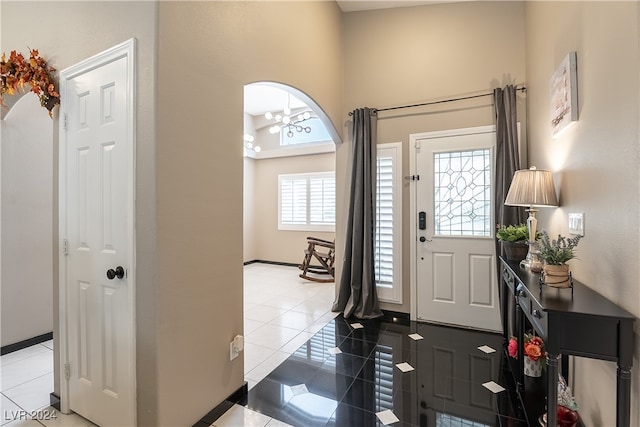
[[564, 95]]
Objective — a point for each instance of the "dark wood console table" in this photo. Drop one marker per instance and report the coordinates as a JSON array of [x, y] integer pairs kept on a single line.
[[579, 323]]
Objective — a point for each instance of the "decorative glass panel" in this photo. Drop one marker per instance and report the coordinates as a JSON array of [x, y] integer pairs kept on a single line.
[[462, 193]]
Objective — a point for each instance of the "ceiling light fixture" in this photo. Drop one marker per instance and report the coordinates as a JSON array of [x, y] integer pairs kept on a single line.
[[248, 143], [285, 120]]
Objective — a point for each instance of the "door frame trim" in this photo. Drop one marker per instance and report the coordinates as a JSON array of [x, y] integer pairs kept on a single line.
[[413, 236], [126, 50]]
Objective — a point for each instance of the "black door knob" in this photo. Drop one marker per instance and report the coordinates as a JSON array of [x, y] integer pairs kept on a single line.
[[423, 239], [118, 272]]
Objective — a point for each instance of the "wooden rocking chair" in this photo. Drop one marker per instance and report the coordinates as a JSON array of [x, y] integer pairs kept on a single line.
[[322, 251]]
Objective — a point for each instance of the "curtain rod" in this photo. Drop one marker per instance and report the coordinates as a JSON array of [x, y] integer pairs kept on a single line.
[[375, 110]]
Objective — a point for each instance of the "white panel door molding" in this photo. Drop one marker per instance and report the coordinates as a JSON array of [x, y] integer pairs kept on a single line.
[[97, 207], [453, 257]]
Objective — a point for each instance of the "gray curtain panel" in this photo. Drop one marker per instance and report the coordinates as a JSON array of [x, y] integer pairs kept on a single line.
[[357, 294], [507, 155], [507, 161]]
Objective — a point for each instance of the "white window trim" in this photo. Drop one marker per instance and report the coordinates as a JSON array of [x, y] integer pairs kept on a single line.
[[293, 150], [308, 226], [393, 294]]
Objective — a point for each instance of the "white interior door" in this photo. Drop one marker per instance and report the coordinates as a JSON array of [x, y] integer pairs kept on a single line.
[[97, 206], [455, 261]]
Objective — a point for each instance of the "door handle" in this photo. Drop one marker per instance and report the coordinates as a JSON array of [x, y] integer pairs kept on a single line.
[[424, 239], [118, 272]]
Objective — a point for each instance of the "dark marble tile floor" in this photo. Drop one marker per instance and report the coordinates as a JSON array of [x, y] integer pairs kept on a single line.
[[315, 387]]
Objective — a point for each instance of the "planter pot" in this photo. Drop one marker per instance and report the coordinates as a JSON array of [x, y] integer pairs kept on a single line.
[[556, 275], [566, 417], [532, 368], [514, 251]]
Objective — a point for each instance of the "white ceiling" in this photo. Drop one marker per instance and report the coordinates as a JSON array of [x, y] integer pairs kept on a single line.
[[358, 5], [258, 99]]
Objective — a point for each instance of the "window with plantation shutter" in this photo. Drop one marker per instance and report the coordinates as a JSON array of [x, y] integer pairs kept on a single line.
[[384, 383], [307, 201], [389, 380], [387, 250], [314, 351]]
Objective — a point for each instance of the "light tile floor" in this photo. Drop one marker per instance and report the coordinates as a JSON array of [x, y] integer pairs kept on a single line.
[[26, 379], [281, 312]]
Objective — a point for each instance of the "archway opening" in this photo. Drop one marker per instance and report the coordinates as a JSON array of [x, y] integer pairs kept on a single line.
[[288, 194], [287, 136]]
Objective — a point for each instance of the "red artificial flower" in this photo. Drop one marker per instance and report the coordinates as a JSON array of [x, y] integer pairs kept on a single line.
[[532, 351], [513, 348], [533, 347]]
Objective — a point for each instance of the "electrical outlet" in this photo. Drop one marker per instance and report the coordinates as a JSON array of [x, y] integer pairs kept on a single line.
[[233, 352], [576, 224], [236, 346]]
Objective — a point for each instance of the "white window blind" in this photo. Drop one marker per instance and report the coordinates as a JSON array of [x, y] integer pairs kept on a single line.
[[307, 201], [314, 351], [384, 221], [384, 381], [387, 251]]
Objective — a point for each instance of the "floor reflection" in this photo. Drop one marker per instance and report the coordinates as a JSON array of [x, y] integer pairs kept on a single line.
[[346, 374]]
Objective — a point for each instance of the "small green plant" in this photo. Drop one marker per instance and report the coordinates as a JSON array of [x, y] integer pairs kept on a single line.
[[514, 233], [557, 251]]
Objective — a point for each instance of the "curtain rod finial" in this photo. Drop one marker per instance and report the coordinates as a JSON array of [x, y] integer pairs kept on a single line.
[[373, 111]]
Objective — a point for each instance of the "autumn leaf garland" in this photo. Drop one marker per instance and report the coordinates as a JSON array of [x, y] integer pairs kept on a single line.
[[17, 72]]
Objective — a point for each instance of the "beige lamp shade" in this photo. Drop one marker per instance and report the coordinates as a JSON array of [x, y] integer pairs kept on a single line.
[[532, 187]]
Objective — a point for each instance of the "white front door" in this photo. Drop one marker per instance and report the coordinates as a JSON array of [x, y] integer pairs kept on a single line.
[[96, 219], [452, 208]]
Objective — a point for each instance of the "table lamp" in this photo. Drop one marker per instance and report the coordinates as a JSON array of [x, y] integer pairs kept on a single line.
[[532, 188]]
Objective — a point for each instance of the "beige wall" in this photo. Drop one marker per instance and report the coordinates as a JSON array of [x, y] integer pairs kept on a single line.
[[207, 51], [267, 140], [266, 242], [248, 196], [189, 180], [410, 55], [27, 221], [595, 163], [262, 239], [249, 250], [65, 34]]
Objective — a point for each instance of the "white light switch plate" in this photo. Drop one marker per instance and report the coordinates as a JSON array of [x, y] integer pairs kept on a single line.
[[576, 223]]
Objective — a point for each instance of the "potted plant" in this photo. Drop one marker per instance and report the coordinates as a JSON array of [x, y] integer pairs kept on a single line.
[[514, 240], [555, 254]]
